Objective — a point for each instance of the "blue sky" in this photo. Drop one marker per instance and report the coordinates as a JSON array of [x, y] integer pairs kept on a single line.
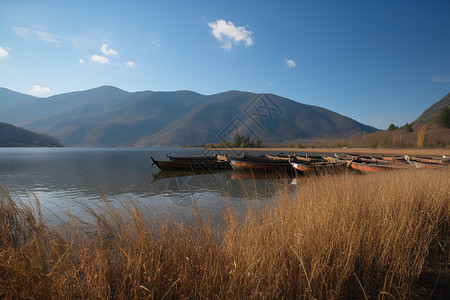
[[378, 62]]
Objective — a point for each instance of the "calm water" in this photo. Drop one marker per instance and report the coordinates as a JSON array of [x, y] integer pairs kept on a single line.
[[61, 178]]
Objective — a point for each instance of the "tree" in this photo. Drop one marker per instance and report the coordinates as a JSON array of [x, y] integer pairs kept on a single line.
[[444, 117], [408, 127], [258, 143], [421, 135], [242, 141], [392, 127]]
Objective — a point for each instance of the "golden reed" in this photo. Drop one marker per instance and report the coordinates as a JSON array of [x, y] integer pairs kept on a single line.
[[335, 236]]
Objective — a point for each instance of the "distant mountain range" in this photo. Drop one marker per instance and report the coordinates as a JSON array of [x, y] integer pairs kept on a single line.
[[108, 116], [12, 136]]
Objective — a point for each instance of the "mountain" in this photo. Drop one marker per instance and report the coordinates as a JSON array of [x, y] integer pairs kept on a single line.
[[10, 98], [267, 117], [12, 136], [108, 116], [430, 115]]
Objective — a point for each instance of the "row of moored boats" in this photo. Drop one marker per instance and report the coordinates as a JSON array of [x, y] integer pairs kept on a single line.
[[304, 164]]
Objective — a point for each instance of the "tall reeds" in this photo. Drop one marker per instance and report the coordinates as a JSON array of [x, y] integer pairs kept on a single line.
[[344, 235], [336, 236]]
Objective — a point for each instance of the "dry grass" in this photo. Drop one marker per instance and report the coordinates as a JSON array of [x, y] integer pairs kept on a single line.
[[338, 237]]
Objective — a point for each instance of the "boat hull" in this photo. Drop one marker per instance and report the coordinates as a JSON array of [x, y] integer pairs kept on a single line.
[[260, 166], [376, 168], [192, 158], [319, 168], [191, 165], [421, 165]]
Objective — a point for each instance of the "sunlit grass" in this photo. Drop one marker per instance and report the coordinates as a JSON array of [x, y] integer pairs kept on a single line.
[[339, 236]]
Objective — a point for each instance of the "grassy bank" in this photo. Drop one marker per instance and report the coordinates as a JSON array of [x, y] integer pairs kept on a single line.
[[338, 237]]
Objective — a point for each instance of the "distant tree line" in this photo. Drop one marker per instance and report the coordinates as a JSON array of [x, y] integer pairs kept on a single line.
[[239, 141], [407, 127]]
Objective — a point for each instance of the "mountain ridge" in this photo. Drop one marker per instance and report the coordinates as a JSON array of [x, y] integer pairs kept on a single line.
[[109, 116], [430, 115]]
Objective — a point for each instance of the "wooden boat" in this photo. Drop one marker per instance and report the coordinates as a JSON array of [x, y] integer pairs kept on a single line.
[[376, 167], [431, 160], [279, 157], [192, 158], [368, 159], [249, 163], [186, 165], [445, 160], [392, 157], [397, 159], [319, 167], [334, 158], [307, 158], [379, 160], [435, 166], [363, 158]]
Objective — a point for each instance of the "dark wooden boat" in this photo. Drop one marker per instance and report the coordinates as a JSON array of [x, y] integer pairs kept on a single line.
[[319, 167], [261, 163], [368, 159], [186, 165], [363, 158], [192, 158]]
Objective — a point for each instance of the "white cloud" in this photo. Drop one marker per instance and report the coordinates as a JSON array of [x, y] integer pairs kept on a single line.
[[37, 89], [130, 64], [43, 36], [99, 59], [290, 63], [228, 34], [4, 53], [81, 61], [440, 79], [107, 51]]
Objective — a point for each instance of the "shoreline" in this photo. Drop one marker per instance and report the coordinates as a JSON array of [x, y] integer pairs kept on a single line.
[[386, 151]]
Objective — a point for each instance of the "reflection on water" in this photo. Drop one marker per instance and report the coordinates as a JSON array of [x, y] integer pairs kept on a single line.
[[60, 177]]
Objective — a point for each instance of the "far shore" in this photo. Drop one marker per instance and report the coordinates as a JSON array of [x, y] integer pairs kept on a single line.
[[385, 151]]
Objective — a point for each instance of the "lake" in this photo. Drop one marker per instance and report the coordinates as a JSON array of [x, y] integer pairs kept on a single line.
[[63, 178]]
